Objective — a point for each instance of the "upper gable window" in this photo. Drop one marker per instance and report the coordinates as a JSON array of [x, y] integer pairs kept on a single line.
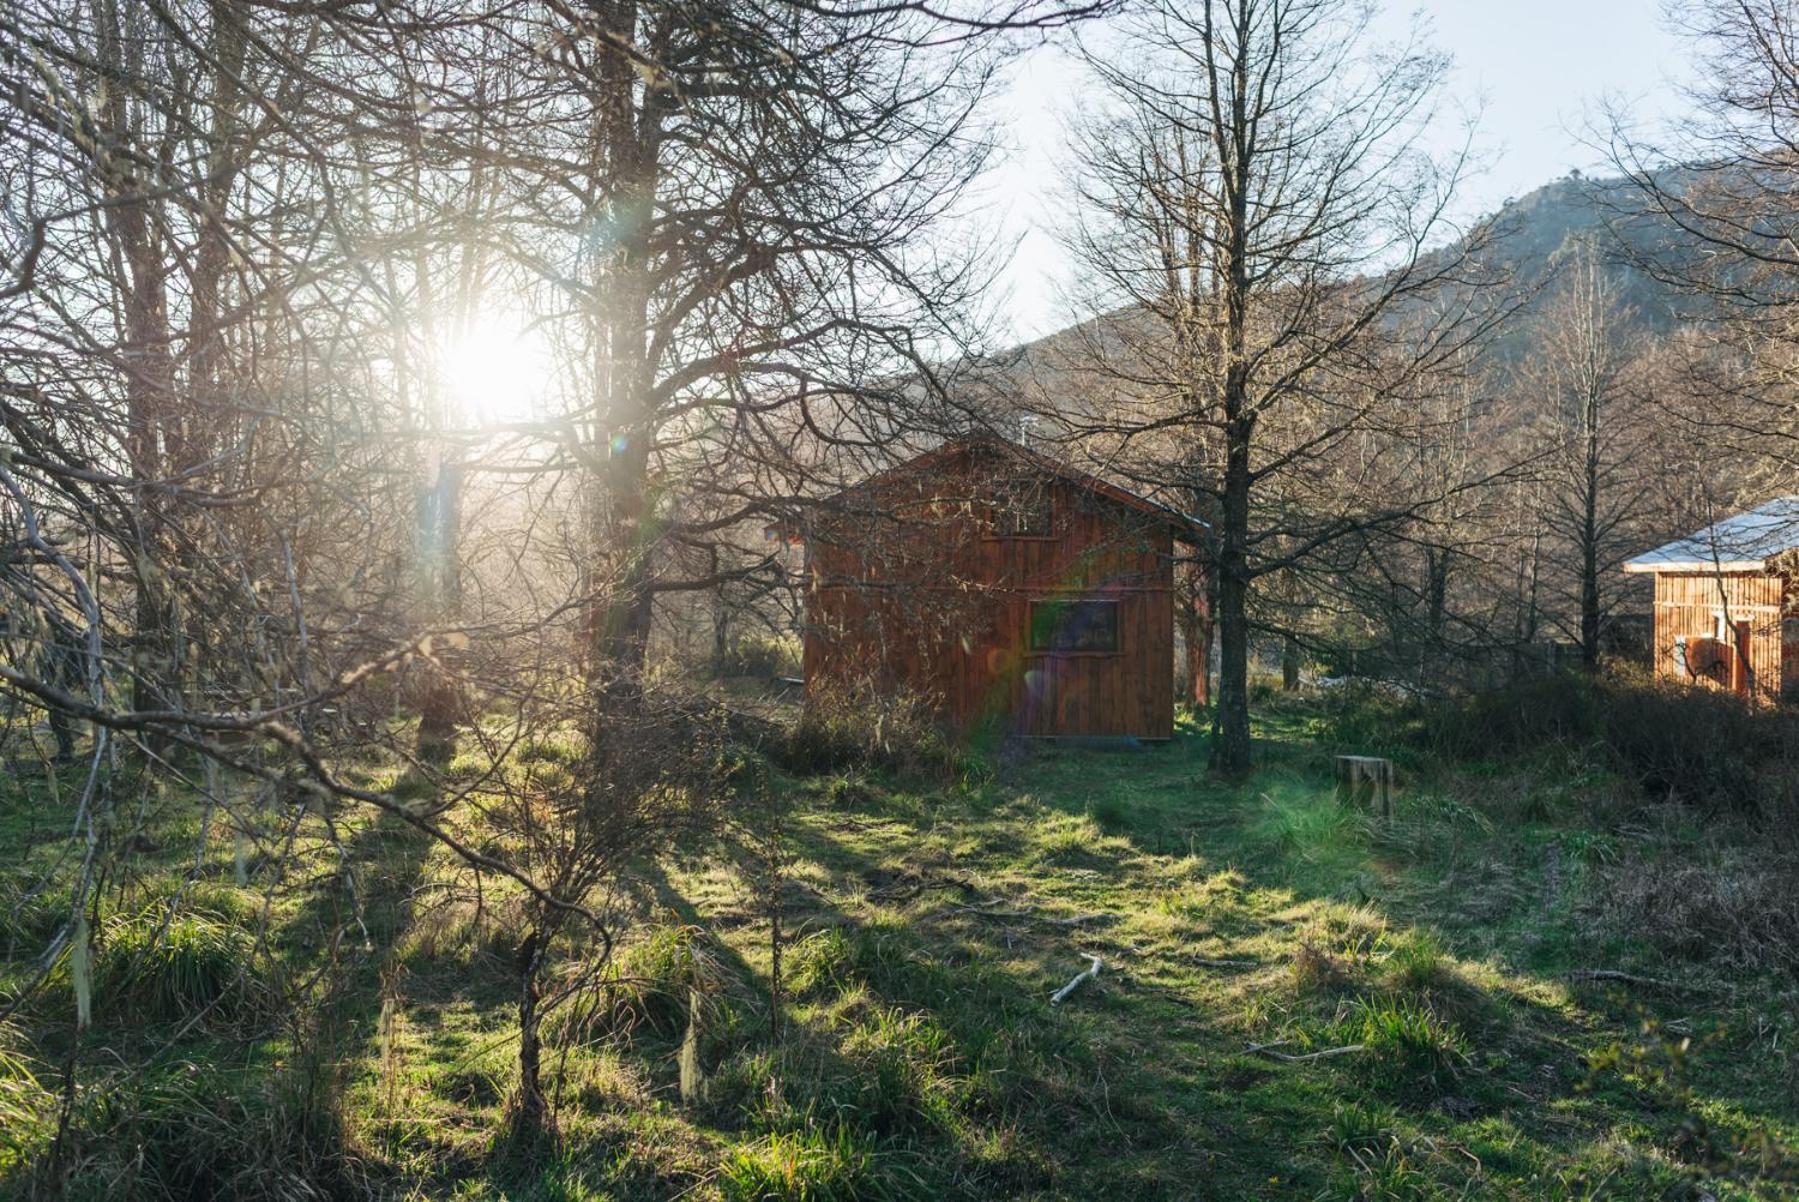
[[1026, 510]]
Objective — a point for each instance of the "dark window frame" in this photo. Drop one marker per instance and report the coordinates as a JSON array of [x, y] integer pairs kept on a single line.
[[1057, 646], [1019, 501]]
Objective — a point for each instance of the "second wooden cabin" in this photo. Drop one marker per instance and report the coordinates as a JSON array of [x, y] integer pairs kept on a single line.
[[1003, 586], [1724, 603]]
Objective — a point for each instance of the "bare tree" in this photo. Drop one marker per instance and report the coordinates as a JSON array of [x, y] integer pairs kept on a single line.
[[239, 499], [1257, 217], [1603, 449], [1712, 210]]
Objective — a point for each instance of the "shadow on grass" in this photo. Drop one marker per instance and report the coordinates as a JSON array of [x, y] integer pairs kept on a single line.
[[1519, 1061]]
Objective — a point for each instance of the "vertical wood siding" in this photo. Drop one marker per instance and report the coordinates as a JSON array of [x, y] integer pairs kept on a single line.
[[909, 588], [1688, 603]]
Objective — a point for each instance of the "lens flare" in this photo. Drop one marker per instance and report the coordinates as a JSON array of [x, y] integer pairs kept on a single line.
[[497, 372]]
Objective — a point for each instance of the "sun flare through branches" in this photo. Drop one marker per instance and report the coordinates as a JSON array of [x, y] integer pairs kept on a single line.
[[497, 371]]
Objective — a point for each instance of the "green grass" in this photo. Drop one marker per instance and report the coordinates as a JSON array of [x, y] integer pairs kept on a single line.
[[835, 1166], [920, 1056]]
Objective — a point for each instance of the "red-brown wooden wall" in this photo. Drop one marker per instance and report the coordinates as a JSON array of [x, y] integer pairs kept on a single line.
[[1689, 604], [915, 582]]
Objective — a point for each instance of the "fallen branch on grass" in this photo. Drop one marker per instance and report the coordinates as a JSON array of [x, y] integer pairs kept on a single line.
[[1078, 920], [906, 887], [992, 908], [1625, 978], [986, 910], [1207, 962], [1268, 1049], [897, 892], [1092, 971]]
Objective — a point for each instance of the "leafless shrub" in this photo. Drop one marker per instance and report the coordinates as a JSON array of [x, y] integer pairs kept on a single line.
[[847, 727], [1733, 908], [1703, 748]]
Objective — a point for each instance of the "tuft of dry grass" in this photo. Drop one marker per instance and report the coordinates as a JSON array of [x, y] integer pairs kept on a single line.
[[1316, 971], [1734, 908]]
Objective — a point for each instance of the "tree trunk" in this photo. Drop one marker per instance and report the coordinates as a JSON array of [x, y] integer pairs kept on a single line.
[[1195, 614], [1589, 611], [1589, 543], [439, 591], [529, 1112], [1436, 608], [1231, 748], [721, 620], [152, 440], [1529, 575], [1289, 664], [1436, 594], [440, 707], [627, 175]]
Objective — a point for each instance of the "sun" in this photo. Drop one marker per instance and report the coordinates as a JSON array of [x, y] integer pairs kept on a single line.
[[498, 371]]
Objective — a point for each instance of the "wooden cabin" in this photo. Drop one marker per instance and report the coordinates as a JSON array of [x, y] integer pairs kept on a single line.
[[1724, 603], [1002, 585]]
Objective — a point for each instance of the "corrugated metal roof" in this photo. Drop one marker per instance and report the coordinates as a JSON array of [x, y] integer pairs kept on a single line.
[[1742, 542]]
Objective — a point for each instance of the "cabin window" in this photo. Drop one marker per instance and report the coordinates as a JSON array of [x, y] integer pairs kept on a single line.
[[1090, 627]]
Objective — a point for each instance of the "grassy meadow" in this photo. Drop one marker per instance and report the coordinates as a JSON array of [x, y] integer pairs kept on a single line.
[[1528, 983]]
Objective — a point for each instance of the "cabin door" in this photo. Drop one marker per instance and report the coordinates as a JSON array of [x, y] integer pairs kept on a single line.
[[1742, 676]]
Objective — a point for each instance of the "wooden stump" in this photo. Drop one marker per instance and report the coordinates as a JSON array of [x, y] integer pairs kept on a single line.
[[1365, 780]]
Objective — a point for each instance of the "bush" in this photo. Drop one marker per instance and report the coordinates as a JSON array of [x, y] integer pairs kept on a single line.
[[166, 972], [1694, 745], [848, 793], [1110, 813], [803, 1166], [1407, 1050], [564, 749], [1738, 908], [759, 655], [1359, 1127], [28, 920], [1317, 971], [1075, 841], [1699, 746], [186, 1129], [652, 981], [822, 962], [1417, 963], [1370, 717], [1557, 708], [902, 1061], [27, 1109], [842, 730]]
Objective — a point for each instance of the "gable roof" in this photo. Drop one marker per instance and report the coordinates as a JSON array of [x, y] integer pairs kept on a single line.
[[1038, 461], [1743, 543]]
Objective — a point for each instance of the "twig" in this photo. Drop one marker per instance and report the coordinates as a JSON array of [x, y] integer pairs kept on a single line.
[[897, 892], [904, 888], [1267, 1049], [1625, 978], [1077, 920], [1207, 962], [1092, 971], [981, 911], [989, 909]]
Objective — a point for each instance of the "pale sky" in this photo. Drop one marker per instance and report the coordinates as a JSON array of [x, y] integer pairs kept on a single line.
[[1541, 68]]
